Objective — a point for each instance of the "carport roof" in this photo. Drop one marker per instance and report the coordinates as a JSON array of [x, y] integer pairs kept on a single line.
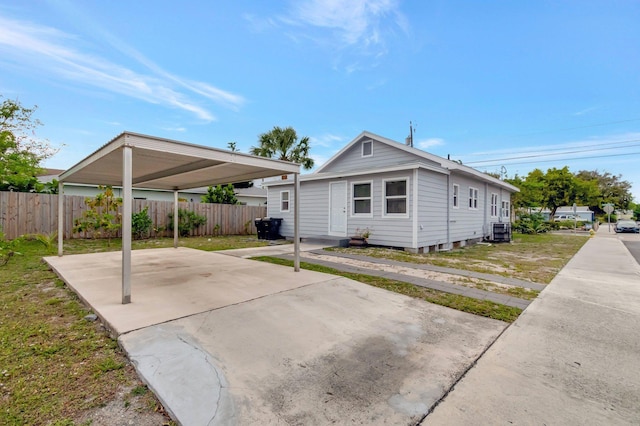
[[160, 163]]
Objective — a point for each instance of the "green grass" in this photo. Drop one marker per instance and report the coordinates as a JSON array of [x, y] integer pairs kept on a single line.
[[201, 243], [536, 258], [483, 308], [54, 364]]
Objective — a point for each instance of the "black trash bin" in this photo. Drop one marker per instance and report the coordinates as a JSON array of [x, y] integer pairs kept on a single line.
[[261, 227], [272, 227]]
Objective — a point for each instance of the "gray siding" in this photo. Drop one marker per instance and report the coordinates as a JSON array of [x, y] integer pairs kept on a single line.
[[433, 199], [383, 156], [467, 223], [432, 209], [314, 210]]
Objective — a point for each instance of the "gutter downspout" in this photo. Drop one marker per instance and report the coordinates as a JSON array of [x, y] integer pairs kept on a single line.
[[415, 210], [449, 210]]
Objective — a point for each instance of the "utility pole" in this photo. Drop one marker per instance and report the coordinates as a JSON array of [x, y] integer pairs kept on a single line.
[[409, 140]]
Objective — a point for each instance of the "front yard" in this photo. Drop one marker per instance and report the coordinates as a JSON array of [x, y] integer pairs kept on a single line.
[[56, 367], [536, 258]]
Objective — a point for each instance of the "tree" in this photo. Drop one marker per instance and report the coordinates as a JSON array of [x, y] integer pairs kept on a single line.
[[20, 152], [220, 195], [610, 189], [559, 189], [102, 219], [283, 144], [530, 195]]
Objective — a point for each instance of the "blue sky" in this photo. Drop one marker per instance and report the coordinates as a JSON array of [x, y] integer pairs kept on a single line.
[[551, 83]]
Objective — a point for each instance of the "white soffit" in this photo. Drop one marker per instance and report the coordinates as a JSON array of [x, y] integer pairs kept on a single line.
[[171, 165]]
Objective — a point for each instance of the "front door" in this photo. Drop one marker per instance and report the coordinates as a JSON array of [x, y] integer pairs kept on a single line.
[[338, 209]]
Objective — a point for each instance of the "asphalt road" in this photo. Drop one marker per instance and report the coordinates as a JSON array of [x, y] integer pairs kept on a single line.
[[632, 243]]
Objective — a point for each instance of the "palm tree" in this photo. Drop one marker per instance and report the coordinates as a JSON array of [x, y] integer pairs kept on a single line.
[[282, 144]]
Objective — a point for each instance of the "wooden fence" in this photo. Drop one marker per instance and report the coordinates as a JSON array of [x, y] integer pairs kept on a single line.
[[26, 213]]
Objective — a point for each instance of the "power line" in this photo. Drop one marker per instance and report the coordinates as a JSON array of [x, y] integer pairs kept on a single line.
[[579, 127], [549, 155], [562, 159], [595, 144]]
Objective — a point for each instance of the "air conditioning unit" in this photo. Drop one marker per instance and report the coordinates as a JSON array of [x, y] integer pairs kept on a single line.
[[501, 232]]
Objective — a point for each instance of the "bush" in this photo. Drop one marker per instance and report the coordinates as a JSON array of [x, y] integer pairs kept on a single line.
[[141, 224], [187, 221], [533, 223]]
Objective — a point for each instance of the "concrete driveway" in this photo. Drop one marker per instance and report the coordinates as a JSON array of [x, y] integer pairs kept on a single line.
[[225, 340]]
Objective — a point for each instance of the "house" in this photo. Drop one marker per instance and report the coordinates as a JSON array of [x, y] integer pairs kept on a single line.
[[254, 196], [404, 196], [582, 213]]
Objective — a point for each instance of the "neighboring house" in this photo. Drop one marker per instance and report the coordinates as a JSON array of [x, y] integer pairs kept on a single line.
[[254, 196], [583, 213], [406, 197]]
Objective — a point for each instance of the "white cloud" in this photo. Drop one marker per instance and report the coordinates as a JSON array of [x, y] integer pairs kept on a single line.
[[49, 50], [429, 143], [327, 140], [360, 24]]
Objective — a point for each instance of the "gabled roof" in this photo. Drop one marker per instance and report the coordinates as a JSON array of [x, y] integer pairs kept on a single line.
[[442, 162]]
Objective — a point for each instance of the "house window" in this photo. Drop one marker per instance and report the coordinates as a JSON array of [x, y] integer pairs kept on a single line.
[[494, 205], [361, 198], [473, 198], [456, 195], [505, 209], [367, 148], [284, 201], [395, 197]]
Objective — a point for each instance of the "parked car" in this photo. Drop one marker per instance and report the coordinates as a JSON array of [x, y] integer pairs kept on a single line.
[[560, 217], [627, 226]]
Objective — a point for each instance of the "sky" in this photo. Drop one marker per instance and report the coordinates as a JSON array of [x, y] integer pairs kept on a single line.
[[503, 86]]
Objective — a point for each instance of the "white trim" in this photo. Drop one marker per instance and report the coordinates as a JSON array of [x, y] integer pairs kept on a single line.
[[346, 199], [414, 204], [353, 199], [455, 201], [448, 165], [493, 209], [406, 197], [508, 209], [337, 175], [288, 201], [362, 154], [473, 198]]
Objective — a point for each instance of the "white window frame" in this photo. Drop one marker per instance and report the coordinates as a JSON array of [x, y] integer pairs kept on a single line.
[[353, 199], [506, 209], [370, 142], [405, 196], [456, 196], [473, 198], [288, 201], [494, 204]]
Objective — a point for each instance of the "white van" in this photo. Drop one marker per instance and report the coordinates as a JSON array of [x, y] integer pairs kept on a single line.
[[561, 217]]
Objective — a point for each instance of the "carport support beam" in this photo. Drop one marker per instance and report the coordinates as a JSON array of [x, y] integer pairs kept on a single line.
[[60, 217], [296, 223], [175, 218], [127, 167]]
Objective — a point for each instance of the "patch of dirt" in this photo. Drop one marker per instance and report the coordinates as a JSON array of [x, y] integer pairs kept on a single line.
[[413, 272], [127, 409]]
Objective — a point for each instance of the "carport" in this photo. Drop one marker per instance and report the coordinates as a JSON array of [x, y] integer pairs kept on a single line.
[[135, 160]]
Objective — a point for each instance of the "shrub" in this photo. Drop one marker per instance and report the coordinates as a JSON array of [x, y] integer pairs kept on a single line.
[[187, 221], [141, 224], [533, 223], [102, 218]]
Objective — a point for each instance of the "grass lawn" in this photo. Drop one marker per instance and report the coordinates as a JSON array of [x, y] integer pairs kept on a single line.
[[54, 364], [536, 258], [483, 308]]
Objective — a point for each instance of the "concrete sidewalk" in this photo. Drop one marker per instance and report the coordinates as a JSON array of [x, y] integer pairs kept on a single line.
[[572, 358]]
